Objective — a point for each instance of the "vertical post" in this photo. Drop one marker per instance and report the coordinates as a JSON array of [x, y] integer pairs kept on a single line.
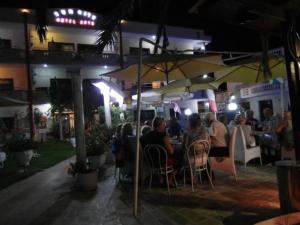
[[29, 80], [292, 69], [121, 45], [74, 73], [106, 99], [138, 116]]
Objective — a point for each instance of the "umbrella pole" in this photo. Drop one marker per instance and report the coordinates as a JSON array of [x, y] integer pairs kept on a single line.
[[137, 153]]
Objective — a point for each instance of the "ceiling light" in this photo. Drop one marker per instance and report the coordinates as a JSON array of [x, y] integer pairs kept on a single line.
[[153, 37], [70, 11], [45, 65], [56, 14], [205, 76], [105, 67], [187, 112], [232, 106], [63, 12]]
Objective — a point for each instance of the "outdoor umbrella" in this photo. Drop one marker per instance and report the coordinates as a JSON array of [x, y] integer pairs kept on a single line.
[[170, 67], [251, 71], [187, 85]]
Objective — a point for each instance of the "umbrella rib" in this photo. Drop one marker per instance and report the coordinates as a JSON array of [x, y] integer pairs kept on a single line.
[[182, 72], [150, 68], [228, 74]]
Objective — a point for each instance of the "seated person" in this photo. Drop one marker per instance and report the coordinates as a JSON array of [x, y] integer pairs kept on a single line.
[[174, 128], [194, 133], [235, 121], [250, 140], [218, 136], [159, 136], [250, 120]]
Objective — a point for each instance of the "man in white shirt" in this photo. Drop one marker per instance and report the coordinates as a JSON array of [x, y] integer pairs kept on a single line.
[[218, 134]]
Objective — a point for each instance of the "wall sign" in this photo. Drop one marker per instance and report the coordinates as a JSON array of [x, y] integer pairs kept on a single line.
[[74, 17]]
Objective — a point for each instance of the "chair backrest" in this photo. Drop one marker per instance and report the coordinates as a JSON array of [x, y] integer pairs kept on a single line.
[[232, 143], [243, 138], [197, 153], [156, 156]]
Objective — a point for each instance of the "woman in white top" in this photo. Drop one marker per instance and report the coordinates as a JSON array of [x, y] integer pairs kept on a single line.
[[250, 140]]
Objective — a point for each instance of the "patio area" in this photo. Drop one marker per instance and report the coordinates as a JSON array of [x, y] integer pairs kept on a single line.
[[253, 198]]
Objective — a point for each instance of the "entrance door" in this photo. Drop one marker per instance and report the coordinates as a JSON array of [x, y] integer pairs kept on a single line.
[[263, 105]]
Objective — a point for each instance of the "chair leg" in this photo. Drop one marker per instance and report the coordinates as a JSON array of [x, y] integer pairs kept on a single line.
[[211, 183], [167, 181], [174, 179], [260, 160], [150, 181], [192, 180], [184, 178]]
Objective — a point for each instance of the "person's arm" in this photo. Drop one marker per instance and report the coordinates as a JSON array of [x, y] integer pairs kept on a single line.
[[280, 126], [168, 145]]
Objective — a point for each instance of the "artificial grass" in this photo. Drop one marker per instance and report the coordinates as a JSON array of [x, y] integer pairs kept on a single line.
[[51, 153]]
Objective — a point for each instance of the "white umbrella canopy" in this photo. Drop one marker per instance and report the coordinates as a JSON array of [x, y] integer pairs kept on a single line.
[[251, 71], [171, 67]]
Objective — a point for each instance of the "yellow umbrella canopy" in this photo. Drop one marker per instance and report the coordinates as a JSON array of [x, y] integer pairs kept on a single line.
[[170, 67], [251, 72]]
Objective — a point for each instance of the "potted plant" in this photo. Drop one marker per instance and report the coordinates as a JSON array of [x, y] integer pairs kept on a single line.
[[22, 149], [97, 141], [87, 177]]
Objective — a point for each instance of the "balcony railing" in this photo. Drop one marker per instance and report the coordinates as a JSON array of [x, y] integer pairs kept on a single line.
[[39, 97]]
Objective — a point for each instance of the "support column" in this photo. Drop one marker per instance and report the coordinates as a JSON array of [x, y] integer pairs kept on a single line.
[[74, 73], [292, 69], [106, 99]]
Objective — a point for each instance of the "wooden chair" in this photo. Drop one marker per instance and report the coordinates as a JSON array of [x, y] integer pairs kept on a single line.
[[227, 164], [157, 158], [197, 161]]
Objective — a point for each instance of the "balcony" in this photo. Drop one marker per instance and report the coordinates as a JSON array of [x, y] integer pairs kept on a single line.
[[73, 58], [12, 55], [39, 96]]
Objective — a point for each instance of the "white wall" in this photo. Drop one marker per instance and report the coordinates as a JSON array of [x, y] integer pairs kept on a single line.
[[14, 32], [43, 75]]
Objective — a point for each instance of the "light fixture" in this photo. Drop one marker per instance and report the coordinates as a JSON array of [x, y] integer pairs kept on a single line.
[[79, 12], [187, 112], [232, 97], [63, 12], [45, 65], [153, 37], [94, 17], [70, 11], [205, 76], [25, 11], [202, 47], [207, 104], [105, 66], [56, 14], [123, 21], [232, 106]]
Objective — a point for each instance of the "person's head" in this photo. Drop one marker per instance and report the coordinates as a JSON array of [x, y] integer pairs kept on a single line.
[[127, 130], [210, 117], [237, 118], [148, 123], [249, 114], [159, 124], [242, 120], [268, 112], [146, 129], [194, 120], [119, 130], [223, 119], [287, 115]]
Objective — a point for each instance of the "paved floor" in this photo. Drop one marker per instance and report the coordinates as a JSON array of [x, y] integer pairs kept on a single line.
[[50, 198]]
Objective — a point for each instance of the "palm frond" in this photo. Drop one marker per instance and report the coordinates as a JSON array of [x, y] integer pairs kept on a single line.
[[108, 35], [41, 23]]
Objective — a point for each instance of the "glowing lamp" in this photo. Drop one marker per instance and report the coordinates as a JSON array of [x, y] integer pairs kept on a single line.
[[187, 112], [232, 106]]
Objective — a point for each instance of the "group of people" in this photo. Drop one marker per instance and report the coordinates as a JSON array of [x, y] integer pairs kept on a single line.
[[214, 131]]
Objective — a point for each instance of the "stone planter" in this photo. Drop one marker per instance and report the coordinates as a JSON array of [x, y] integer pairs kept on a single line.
[[96, 161], [88, 181], [24, 158]]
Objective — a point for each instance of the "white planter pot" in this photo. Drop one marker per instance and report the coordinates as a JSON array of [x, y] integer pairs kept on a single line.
[[102, 159], [23, 158], [88, 181]]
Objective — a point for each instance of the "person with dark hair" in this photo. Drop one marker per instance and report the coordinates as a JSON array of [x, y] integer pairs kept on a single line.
[[223, 119], [250, 120], [174, 128], [159, 136], [117, 145]]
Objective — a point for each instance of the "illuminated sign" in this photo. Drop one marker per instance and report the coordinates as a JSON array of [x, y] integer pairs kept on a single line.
[[75, 17]]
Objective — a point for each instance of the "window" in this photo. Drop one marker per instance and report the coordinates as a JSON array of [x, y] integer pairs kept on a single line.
[[6, 84], [135, 51], [5, 43], [86, 48], [59, 46]]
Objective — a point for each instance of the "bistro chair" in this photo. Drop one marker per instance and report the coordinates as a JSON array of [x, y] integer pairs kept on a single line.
[[245, 153], [197, 161], [156, 157], [227, 164]]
